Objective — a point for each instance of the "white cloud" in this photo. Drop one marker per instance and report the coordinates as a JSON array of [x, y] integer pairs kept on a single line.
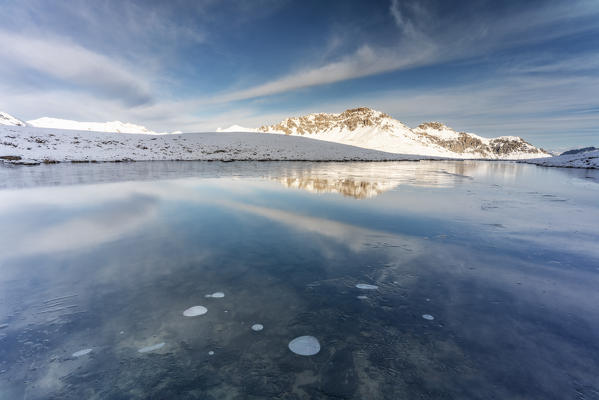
[[74, 65]]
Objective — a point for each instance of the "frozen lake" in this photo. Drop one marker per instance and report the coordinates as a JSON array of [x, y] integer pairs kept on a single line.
[[198, 280]]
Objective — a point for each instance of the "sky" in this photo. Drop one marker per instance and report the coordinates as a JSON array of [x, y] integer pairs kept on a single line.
[[524, 68]]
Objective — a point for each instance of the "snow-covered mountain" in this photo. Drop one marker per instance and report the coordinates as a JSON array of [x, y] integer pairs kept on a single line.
[[364, 127], [7, 119], [112, 126]]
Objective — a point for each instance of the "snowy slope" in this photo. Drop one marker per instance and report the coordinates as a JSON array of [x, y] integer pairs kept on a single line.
[[20, 144], [113, 126], [364, 127], [7, 119], [586, 159]]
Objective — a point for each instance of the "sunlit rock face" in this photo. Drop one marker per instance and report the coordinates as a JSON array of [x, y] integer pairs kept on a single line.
[[368, 128], [350, 120]]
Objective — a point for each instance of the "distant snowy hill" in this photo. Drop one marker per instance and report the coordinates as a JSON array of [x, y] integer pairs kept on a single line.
[[236, 128], [578, 159], [576, 151], [371, 129], [113, 126], [7, 119]]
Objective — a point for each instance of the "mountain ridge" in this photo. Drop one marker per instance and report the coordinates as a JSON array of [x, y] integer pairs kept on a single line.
[[361, 127], [368, 128]]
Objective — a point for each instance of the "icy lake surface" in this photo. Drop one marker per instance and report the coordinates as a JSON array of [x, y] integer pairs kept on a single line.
[[484, 281]]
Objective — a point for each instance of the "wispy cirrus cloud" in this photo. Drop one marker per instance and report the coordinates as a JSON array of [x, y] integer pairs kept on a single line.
[[423, 39], [365, 61]]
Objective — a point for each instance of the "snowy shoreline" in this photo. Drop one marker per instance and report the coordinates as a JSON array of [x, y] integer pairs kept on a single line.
[[34, 146], [587, 160], [29, 145]]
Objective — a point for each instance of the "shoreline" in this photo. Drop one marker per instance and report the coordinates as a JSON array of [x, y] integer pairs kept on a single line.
[[35, 146]]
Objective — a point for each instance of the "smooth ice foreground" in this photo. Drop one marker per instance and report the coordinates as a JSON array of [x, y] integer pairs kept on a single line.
[[148, 349], [216, 295], [257, 327], [520, 258], [366, 286], [195, 311], [82, 352], [305, 345]]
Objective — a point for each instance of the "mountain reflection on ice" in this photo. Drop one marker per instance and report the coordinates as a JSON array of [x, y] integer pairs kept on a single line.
[[319, 177], [366, 180], [482, 281]]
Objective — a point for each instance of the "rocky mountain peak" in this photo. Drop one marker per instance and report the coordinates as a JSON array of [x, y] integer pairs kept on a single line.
[[432, 125], [348, 120], [363, 112]]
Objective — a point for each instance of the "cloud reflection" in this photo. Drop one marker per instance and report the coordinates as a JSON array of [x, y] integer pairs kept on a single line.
[[354, 236], [111, 222]]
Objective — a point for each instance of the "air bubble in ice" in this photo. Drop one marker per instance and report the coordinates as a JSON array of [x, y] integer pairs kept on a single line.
[[81, 352], [366, 286], [195, 311], [305, 345], [147, 349]]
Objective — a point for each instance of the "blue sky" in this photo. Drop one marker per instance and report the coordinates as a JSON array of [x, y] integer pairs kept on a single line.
[[490, 67]]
